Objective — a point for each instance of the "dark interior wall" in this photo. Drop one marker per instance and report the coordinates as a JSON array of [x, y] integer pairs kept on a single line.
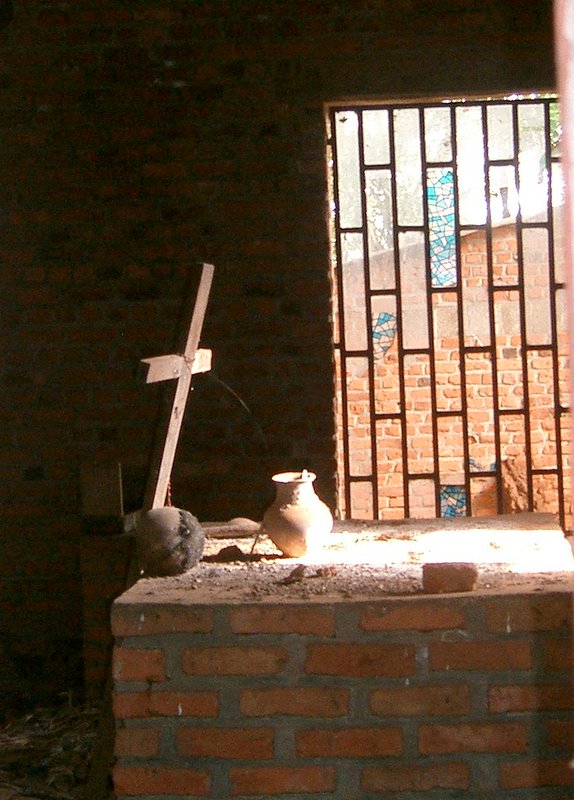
[[138, 138]]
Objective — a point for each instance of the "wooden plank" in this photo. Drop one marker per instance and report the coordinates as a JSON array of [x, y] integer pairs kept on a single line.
[[170, 367], [201, 361], [101, 490], [163, 368]]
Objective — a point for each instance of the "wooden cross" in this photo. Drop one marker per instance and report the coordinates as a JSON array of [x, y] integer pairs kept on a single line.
[[179, 367]]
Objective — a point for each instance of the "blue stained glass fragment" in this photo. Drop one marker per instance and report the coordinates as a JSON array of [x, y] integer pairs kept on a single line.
[[452, 501], [441, 217], [474, 466], [384, 332]]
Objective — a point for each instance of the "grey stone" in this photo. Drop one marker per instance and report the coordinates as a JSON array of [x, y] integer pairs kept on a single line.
[[169, 541]]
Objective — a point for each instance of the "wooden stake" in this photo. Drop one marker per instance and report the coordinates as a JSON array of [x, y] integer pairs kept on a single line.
[[179, 367]]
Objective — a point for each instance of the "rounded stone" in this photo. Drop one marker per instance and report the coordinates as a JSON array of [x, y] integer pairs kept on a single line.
[[169, 541]]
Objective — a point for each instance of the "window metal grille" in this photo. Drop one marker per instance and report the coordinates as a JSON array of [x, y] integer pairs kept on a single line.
[[449, 308]]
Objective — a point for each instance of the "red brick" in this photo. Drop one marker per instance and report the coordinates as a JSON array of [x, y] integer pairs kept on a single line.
[[160, 780], [279, 619], [360, 659], [299, 701], [557, 655], [137, 742], [480, 655], [528, 612], [282, 780], [530, 698], [136, 664], [133, 705], [475, 737], [247, 743], [234, 660], [421, 701], [349, 742], [165, 171], [414, 778], [527, 774], [449, 577], [99, 589], [143, 620], [560, 733], [98, 634], [415, 616]]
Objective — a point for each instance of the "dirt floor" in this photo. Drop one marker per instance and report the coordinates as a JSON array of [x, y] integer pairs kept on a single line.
[[44, 754]]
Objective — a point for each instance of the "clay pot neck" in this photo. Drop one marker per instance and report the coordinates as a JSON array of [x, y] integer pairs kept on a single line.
[[294, 488]]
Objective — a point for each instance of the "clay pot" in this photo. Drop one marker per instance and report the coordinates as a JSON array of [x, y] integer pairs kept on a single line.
[[298, 520]]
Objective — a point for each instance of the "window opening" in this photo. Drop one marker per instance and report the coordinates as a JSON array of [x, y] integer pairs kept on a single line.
[[449, 308]]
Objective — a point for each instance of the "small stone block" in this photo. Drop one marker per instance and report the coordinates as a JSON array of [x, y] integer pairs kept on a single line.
[[449, 577]]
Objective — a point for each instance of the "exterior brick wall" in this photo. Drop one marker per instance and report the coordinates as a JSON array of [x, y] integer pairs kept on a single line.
[[479, 389], [406, 697], [137, 139]]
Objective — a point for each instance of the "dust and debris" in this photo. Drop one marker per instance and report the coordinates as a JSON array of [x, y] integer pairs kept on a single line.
[[45, 754], [366, 560]]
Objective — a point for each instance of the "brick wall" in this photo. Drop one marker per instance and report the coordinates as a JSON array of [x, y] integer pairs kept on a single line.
[[479, 390], [138, 138], [406, 697], [105, 567]]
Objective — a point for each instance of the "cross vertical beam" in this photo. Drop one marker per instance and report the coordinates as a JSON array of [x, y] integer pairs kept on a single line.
[[179, 367]]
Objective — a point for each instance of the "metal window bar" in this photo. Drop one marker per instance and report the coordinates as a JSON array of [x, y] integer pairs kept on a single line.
[[430, 290], [492, 317], [555, 287], [399, 308], [368, 318]]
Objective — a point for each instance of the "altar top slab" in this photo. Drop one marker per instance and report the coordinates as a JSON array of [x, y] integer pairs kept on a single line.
[[366, 560]]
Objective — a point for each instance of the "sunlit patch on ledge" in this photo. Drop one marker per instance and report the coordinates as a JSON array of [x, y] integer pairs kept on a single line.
[[522, 542]]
